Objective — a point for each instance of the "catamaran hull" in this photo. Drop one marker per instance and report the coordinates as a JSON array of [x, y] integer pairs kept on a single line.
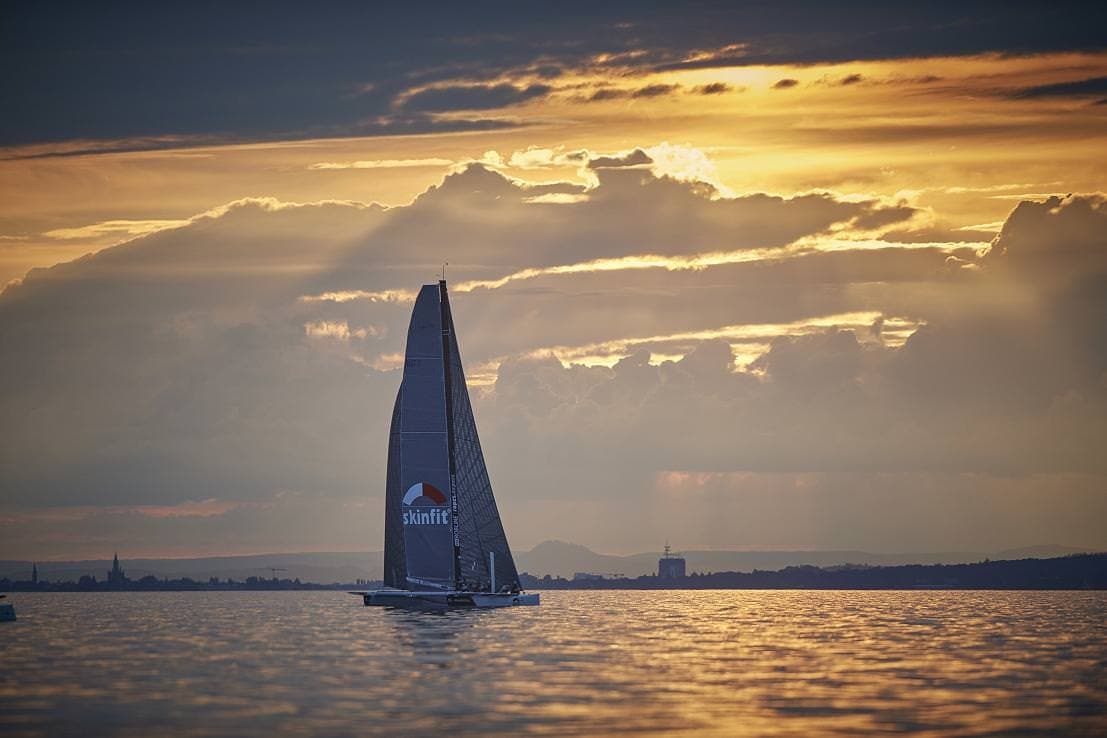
[[445, 600], [497, 600]]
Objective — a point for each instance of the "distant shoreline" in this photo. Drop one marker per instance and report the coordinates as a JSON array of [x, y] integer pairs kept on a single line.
[[174, 585], [1076, 572]]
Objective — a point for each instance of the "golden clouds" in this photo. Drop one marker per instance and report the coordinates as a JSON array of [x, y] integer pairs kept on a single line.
[[748, 341], [399, 295], [873, 128], [338, 330], [383, 163], [672, 263], [115, 229]]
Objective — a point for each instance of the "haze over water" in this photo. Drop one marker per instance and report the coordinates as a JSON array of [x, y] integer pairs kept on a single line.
[[698, 663]]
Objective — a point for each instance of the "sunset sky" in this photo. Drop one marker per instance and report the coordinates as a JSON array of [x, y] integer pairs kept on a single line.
[[756, 275]]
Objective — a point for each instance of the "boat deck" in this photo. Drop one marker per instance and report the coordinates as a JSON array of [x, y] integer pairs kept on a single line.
[[444, 599]]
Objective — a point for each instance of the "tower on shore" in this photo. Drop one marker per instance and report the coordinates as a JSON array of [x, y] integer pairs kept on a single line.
[[671, 566]]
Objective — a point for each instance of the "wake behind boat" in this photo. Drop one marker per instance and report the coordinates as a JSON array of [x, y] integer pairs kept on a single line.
[[444, 543]]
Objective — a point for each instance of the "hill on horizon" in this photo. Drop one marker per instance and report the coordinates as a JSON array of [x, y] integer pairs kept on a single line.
[[553, 557]]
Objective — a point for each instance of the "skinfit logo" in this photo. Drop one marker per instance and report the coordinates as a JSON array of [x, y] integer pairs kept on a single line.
[[425, 504]]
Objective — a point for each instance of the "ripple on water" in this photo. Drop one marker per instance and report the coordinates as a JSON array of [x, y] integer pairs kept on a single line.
[[701, 663]]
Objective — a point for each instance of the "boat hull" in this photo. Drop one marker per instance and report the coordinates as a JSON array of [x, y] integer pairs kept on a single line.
[[445, 600], [504, 600]]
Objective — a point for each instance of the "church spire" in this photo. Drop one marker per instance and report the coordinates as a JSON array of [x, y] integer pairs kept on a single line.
[[116, 575]]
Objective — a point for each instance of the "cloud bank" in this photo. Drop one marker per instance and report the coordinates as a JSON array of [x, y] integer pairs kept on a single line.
[[301, 74], [786, 392]]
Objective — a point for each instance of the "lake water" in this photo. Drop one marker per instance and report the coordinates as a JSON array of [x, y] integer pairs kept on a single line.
[[696, 663]]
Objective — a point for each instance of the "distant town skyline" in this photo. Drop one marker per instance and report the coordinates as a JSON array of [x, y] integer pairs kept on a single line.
[[736, 276], [1042, 569]]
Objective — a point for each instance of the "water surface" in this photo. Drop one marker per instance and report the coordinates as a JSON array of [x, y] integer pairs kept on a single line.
[[696, 663]]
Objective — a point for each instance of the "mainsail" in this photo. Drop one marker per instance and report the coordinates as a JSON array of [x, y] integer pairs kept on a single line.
[[441, 521]]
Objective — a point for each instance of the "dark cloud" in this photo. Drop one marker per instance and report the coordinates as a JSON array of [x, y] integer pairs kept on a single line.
[[393, 123], [785, 83], [471, 97], [633, 159], [853, 79], [607, 93], [547, 72], [655, 90], [147, 72], [828, 361], [858, 31], [613, 93], [1010, 129], [1062, 237], [883, 216], [1092, 87], [715, 88], [406, 123]]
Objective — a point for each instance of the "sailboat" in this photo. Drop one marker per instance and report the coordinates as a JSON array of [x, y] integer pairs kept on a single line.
[[444, 543]]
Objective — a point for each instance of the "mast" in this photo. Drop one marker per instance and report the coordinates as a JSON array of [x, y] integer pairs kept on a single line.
[[444, 302], [441, 520]]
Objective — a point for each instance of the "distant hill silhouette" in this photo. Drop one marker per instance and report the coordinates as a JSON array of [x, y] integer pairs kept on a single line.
[[1079, 571], [556, 558]]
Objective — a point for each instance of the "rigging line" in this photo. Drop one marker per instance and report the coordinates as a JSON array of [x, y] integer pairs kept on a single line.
[[447, 321]]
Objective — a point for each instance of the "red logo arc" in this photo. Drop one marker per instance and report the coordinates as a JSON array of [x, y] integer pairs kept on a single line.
[[424, 489]]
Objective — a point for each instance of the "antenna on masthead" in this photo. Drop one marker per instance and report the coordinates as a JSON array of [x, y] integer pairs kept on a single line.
[[444, 265]]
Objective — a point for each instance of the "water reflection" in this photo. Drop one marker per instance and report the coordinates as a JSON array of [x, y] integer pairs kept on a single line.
[[584, 663]]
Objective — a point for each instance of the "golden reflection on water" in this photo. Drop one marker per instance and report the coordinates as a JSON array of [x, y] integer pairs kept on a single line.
[[697, 663]]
